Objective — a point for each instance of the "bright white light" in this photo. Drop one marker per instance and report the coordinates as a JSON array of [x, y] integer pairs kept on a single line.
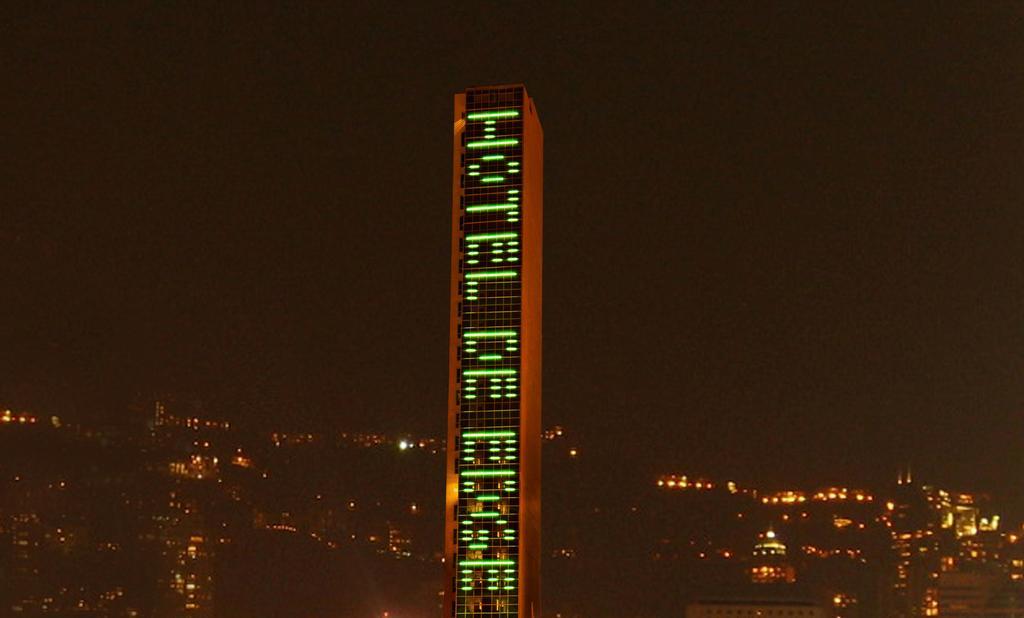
[[403, 445]]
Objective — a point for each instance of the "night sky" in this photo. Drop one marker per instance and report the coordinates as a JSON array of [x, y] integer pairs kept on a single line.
[[781, 245]]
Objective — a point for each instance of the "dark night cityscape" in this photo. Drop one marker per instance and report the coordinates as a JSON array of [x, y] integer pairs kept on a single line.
[[512, 310]]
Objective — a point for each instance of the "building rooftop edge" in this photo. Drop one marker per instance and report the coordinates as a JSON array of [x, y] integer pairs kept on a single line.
[[494, 86]]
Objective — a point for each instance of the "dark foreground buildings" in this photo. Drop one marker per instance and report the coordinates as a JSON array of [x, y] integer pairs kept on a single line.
[[492, 516]]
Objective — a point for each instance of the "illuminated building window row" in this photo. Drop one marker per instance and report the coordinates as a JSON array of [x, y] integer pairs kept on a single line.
[[492, 115], [477, 310], [483, 165], [495, 215], [495, 412], [504, 296], [478, 351], [471, 393], [485, 194], [500, 313], [501, 309], [475, 266]]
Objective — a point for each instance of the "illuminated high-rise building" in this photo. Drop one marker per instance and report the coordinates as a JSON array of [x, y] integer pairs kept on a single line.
[[492, 517]]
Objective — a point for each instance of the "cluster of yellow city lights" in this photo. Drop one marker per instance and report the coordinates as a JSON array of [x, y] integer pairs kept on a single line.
[[681, 481], [23, 418], [833, 494], [784, 497], [843, 599], [830, 494], [772, 573], [845, 522], [820, 552]]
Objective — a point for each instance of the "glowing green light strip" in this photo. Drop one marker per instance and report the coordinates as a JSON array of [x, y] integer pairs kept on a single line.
[[491, 207], [498, 236], [493, 274], [489, 434], [505, 113], [489, 334], [493, 179], [486, 514], [489, 473], [488, 498], [492, 143], [478, 546], [490, 357], [494, 157], [487, 563], [489, 372]]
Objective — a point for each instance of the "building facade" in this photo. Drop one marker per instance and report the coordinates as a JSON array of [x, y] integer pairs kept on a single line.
[[492, 516], [754, 608]]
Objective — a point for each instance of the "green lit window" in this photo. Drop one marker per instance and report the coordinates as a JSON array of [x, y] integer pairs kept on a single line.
[[506, 113], [496, 236], [495, 143], [493, 274]]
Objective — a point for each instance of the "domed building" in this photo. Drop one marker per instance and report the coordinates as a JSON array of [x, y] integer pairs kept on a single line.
[[769, 564]]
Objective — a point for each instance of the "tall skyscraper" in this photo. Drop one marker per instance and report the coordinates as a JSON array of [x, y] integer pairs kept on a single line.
[[492, 518]]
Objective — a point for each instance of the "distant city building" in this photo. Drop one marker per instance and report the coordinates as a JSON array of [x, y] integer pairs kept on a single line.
[[755, 608], [24, 571], [492, 528], [769, 565], [977, 595], [187, 580]]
